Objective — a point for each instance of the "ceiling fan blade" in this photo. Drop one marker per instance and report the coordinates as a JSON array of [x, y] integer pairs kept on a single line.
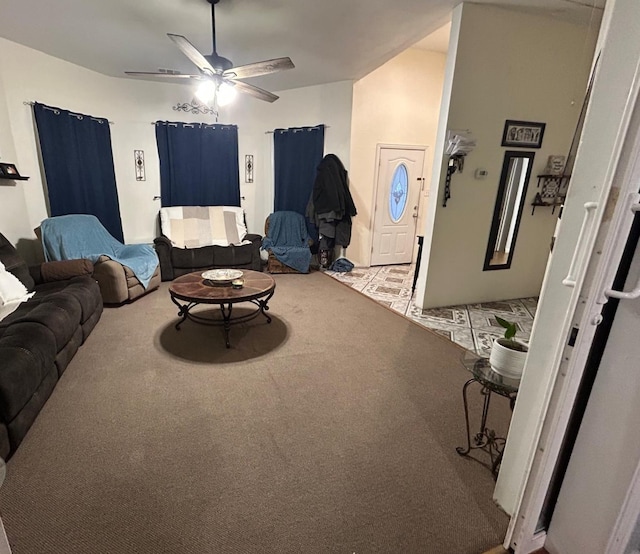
[[192, 53], [255, 91], [259, 68], [162, 75]]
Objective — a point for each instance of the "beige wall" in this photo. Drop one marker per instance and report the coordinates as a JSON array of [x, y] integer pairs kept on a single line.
[[506, 65], [398, 104]]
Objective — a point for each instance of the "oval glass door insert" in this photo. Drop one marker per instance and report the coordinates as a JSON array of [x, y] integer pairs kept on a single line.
[[398, 193]]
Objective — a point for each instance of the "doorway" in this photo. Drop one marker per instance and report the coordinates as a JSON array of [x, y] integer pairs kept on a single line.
[[399, 183]]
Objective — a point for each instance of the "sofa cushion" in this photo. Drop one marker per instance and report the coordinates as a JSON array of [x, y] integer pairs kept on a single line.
[[27, 352], [232, 256], [24, 420], [64, 356], [59, 313], [5, 445], [192, 257], [87, 292]]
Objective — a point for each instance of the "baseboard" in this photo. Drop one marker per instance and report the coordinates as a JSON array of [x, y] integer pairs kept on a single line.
[[500, 550], [534, 545], [497, 550]]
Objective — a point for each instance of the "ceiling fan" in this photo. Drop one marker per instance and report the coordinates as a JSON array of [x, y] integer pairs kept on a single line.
[[218, 73]]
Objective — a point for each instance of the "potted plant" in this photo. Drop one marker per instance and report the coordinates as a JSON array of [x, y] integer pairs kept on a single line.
[[507, 355]]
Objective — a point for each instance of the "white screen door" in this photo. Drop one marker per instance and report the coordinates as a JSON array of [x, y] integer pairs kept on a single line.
[[397, 200]]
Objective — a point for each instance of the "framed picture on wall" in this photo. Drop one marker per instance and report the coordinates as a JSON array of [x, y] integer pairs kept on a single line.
[[522, 134]]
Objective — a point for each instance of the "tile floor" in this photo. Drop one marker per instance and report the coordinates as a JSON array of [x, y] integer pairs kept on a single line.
[[472, 326]]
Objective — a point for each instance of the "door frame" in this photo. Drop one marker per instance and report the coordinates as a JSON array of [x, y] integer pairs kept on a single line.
[[376, 175]]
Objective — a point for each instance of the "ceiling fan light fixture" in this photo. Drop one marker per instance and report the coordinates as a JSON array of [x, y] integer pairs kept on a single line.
[[226, 94], [206, 92], [214, 71]]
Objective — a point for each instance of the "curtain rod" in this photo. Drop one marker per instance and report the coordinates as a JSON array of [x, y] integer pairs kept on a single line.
[[172, 124], [78, 115], [298, 129]]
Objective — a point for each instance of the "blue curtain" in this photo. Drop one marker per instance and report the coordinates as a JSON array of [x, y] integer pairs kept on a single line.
[[296, 155], [78, 165], [198, 164]]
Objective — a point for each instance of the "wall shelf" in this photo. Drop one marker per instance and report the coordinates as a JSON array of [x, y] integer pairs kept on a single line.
[[553, 191]]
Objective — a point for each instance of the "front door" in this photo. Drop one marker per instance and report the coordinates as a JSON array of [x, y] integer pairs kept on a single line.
[[397, 200]]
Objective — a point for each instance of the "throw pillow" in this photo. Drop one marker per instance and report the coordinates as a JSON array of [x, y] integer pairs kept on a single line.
[[12, 292], [65, 269]]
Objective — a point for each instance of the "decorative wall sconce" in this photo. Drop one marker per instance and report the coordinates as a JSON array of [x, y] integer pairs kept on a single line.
[[459, 144], [456, 163], [138, 156], [195, 107], [248, 168]]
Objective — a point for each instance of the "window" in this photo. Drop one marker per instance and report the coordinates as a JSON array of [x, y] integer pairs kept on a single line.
[[398, 193]]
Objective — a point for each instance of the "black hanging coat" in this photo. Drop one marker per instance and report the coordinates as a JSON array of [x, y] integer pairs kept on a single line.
[[331, 202]]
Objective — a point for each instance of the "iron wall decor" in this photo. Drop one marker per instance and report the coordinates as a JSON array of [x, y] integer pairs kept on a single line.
[[456, 163], [195, 107], [248, 168], [138, 156], [523, 134]]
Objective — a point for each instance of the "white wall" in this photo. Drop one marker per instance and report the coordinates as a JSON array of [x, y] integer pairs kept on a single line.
[[506, 65], [131, 105], [13, 209], [328, 104], [398, 104], [29, 75]]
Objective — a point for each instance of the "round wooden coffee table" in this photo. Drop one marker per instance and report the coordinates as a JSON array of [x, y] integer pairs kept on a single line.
[[192, 289]]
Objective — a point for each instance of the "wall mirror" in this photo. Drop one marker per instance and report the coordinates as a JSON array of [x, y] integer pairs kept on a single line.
[[516, 170]]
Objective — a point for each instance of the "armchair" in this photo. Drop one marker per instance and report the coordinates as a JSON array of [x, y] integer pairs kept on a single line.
[[195, 238], [287, 243], [123, 272]]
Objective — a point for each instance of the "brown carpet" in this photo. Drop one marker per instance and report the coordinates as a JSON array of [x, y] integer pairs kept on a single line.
[[331, 430]]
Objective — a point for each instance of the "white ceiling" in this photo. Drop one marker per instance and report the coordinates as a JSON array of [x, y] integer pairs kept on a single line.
[[328, 40]]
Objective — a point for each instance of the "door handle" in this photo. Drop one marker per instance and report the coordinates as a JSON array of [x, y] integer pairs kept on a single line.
[[635, 293], [570, 279]]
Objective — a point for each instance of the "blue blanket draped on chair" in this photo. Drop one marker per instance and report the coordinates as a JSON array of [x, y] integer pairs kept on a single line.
[[288, 239], [69, 237]]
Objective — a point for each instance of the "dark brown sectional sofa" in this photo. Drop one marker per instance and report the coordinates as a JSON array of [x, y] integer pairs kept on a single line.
[[40, 338]]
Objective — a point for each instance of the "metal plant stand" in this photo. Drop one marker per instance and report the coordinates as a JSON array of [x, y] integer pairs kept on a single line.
[[490, 382]]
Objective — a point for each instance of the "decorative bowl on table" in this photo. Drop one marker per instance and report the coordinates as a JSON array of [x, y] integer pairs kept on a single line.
[[221, 276]]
